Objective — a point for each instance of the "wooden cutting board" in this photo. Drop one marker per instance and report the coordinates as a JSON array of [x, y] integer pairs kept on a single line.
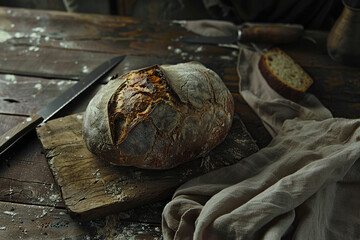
[[92, 188]]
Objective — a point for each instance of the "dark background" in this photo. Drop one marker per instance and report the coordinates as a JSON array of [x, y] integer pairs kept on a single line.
[[312, 14]]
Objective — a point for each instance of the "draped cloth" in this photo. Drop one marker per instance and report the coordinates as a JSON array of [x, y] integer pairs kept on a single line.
[[304, 185]]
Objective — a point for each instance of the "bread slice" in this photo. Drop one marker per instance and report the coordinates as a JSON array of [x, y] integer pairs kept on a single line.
[[284, 75]]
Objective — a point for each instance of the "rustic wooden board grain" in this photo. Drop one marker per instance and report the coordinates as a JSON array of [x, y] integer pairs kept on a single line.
[[34, 94], [24, 174], [51, 42], [92, 188], [21, 221]]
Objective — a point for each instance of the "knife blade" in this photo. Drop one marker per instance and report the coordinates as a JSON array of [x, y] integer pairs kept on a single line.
[[45, 113], [252, 32]]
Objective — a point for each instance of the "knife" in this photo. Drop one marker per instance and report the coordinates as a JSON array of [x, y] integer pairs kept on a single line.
[[253, 32], [45, 113]]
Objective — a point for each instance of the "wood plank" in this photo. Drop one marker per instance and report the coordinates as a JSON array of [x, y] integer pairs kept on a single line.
[[13, 134], [92, 188], [20, 164], [49, 46], [112, 227], [48, 62], [29, 192], [339, 91], [22, 95], [8, 121], [23, 24], [24, 174], [74, 64], [64, 20], [25, 95], [19, 221]]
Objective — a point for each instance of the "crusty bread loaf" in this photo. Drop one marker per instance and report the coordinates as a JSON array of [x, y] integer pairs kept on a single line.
[[284, 75], [158, 117]]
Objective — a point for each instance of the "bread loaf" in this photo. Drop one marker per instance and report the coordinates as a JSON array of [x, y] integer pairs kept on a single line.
[[282, 74], [158, 117]]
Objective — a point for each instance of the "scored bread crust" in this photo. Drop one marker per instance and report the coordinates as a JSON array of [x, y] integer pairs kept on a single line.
[[159, 117], [276, 83]]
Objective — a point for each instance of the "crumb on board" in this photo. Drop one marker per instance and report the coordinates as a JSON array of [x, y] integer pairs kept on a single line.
[[206, 162], [9, 213]]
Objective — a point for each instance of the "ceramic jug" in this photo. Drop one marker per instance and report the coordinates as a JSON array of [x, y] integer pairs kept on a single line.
[[343, 43]]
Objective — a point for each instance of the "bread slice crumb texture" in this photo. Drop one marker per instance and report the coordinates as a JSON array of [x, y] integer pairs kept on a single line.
[[287, 70]]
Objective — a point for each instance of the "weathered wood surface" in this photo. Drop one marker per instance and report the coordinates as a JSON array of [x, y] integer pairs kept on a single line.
[[48, 48], [19, 221], [92, 188], [56, 43], [25, 176], [22, 95]]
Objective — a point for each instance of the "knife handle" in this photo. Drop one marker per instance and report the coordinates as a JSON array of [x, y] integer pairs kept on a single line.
[[15, 133], [271, 33]]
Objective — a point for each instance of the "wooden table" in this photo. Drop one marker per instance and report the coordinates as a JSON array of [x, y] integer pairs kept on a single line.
[[42, 53]]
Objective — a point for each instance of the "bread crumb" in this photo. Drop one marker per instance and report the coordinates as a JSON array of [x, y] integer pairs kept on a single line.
[[177, 50], [10, 213], [206, 162]]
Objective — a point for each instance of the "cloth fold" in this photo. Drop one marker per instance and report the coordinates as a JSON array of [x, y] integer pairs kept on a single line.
[[304, 185]]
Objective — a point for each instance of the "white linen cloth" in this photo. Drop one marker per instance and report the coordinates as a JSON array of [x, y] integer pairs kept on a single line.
[[304, 185]]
